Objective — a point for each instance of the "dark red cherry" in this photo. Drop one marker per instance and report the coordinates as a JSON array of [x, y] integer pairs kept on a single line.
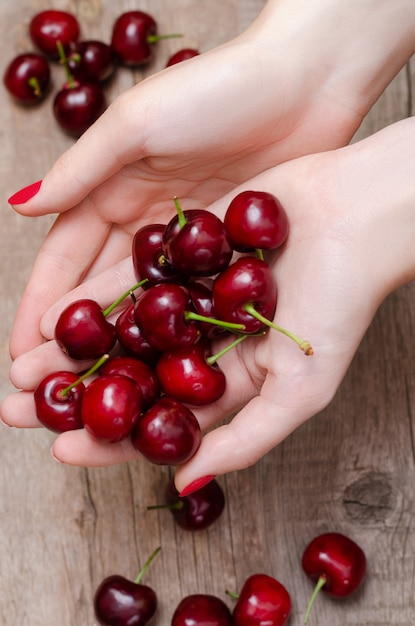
[[247, 281], [148, 257], [337, 565], [168, 433], [160, 312], [256, 220], [48, 27], [201, 610], [187, 376], [202, 301], [83, 332], [140, 372], [59, 411], [111, 406], [132, 37], [195, 242], [92, 61], [196, 511], [182, 55], [119, 601], [263, 600], [27, 77], [78, 105], [131, 337]]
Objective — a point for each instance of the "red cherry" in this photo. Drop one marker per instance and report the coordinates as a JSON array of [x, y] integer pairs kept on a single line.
[[168, 433], [48, 27], [186, 375], [131, 337], [139, 371], [182, 55], [132, 37], [91, 61], [59, 411], [83, 332], [119, 601], [335, 563], [196, 511], [201, 610], [195, 242], [148, 257], [78, 105], [111, 406], [256, 220], [263, 600], [202, 302], [27, 77]]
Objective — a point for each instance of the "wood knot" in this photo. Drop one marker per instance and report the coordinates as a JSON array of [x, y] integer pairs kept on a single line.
[[370, 499]]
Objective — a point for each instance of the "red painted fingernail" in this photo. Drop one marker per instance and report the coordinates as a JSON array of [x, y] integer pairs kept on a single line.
[[196, 484], [23, 195]]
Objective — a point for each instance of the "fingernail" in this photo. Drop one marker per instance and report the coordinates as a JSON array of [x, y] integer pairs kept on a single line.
[[54, 457], [23, 195], [196, 485]]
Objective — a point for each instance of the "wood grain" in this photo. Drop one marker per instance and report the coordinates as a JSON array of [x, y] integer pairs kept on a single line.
[[351, 468]]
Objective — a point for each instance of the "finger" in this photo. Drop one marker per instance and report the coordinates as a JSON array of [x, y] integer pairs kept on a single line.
[[19, 410], [78, 447]]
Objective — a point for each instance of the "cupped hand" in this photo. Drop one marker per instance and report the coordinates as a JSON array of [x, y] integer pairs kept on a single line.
[[350, 244]]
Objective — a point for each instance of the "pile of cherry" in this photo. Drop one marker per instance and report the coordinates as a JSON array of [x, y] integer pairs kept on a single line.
[[89, 64]]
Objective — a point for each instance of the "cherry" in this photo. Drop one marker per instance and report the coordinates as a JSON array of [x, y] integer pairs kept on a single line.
[[83, 332], [78, 105], [201, 610], [133, 35], [196, 242], [139, 371], [27, 77], [91, 61], [196, 511], [256, 220], [131, 337], [188, 376], [111, 406], [119, 601], [48, 27], [148, 257], [336, 564], [168, 433], [56, 410], [182, 55], [202, 302], [263, 601]]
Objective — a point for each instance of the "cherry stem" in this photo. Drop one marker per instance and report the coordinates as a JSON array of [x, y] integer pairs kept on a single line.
[[64, 60], [81, 379], [320, 584], [190, 315], [34, 84], [232, 594], [175, 506], [301, 343], [156, 38], [180, 214], [259, 253], [214, 357], [124, 295], [146, 566]]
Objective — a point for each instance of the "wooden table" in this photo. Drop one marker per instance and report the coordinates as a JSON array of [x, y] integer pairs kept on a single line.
[[351, 468]]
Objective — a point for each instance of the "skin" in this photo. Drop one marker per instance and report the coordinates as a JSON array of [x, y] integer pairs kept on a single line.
[[331, 280]]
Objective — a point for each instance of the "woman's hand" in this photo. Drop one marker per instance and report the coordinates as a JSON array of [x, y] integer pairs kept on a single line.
[[350, 244]]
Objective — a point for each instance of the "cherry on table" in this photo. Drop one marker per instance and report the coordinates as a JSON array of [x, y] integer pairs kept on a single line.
[[48, 27], [119, 601], [78, 105], [262, 600], [202, 610], [196, 511], [27, 77], [182, 55], [91, 60], [337, 565], [168, 433]]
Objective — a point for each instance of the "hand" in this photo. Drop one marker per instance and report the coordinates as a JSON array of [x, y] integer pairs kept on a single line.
[[288, 86], [350, 244]]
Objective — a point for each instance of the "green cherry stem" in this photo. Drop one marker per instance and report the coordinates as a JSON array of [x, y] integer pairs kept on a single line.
[[214, 357], [320, 584], [81, 379], [123, 296], [190, 315], [156, 38], [146, 566], [175, 506], [34, 84], [259, 253], [64, 61], [180, 214], [301, 343]]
